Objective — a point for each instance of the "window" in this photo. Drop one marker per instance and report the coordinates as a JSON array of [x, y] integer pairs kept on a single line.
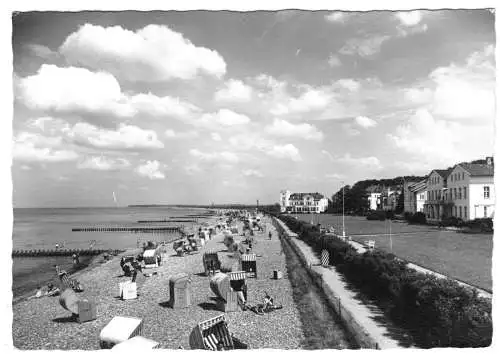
[[485, 211], [459, 193], [463, 176], [455, 192], [460, 211], [455, 209], [465, 192], [486, 192], [465, 213]]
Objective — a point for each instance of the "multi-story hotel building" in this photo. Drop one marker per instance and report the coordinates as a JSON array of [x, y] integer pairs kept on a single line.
[[303, 202]]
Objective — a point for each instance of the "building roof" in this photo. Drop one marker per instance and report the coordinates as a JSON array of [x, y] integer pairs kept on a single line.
[[301, 195], [478, 169], [443, 173], [418, 186]]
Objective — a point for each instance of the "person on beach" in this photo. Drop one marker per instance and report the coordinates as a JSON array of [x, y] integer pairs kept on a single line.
[[52, 290]]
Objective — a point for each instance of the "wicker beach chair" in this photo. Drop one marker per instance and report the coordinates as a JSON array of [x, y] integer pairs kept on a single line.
[[213, 334], [211, 262], [249, 264], [67, 281]]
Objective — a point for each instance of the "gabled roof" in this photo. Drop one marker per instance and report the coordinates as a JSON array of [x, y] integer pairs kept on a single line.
[[301, 195], [443, 173], [478, 169]]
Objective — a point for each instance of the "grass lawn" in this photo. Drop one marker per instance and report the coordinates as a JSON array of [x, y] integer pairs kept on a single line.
[[467, 257]]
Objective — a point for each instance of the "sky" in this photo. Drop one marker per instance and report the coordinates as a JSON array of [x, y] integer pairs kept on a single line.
[[198, 107]]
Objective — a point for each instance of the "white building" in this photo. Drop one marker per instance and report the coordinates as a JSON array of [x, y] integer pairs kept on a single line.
[[303, 202], [374, 200], [471, 191], [436, 206]]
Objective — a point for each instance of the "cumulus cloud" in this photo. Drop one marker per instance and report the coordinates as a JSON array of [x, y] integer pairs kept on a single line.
[[102, 163], [215, 137], [311, 99], [39, 148], [153, 53], [334, 61], [234, 90], [456, 85], [283, 128], [409, 18], [224, 156], [337, 16], [74, 89], [365, 122], [349, 84], [287, 151], [70, 89], [124, 137], [440, 142], [448, 91], [172, 134], [252, 173], [151, 170], [364, 47], [224, 117], [41, 51], [370, 162]]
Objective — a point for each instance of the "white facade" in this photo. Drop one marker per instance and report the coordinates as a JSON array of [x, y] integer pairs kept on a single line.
[[472, 196], [302, 202], [374, 200], [284, 199], [421, 197]]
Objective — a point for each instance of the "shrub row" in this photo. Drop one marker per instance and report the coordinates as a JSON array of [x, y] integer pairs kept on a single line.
[[437, 312], [380, 215], [415, 218]]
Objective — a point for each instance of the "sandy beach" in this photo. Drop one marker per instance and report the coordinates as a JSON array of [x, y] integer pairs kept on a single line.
[[44, 324]]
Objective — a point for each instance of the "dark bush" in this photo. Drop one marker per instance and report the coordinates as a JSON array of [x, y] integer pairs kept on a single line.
[[416, 218], [437, 312], [376, 216], [389, 214], [452, 222], [481, 224]]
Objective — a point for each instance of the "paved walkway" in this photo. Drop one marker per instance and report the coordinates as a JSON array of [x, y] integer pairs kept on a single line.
[[365, 314]]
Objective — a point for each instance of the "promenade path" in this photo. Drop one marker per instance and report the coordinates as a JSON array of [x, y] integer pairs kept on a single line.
[[364, 312], [43, 324]]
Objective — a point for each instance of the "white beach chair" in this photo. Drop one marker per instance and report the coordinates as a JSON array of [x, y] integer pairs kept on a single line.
[[120, 329]]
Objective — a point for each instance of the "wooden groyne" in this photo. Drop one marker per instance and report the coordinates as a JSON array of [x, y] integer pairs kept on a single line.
[[61, 252], [128, 229]]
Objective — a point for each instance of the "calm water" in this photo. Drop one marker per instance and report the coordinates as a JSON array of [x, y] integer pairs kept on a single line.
[[43, 228]]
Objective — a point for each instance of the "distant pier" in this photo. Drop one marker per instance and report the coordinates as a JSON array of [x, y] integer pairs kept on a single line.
[[61, 252], [128, 229]]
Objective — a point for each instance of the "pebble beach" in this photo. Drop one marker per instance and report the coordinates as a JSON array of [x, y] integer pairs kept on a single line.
[[43, 324]]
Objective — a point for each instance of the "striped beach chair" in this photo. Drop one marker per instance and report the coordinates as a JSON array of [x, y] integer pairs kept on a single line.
[[212, 334], [67, 281], [249, 264]]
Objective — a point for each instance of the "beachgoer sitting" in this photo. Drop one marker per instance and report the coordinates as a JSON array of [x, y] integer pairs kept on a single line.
[[267, 306], [52, 290]]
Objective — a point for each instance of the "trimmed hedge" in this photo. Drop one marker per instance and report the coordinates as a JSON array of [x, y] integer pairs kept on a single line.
[[481, 224], [437, 312], [415, 218]]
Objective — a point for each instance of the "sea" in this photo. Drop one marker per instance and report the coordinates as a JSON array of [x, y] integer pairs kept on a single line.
[[43, 228]]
